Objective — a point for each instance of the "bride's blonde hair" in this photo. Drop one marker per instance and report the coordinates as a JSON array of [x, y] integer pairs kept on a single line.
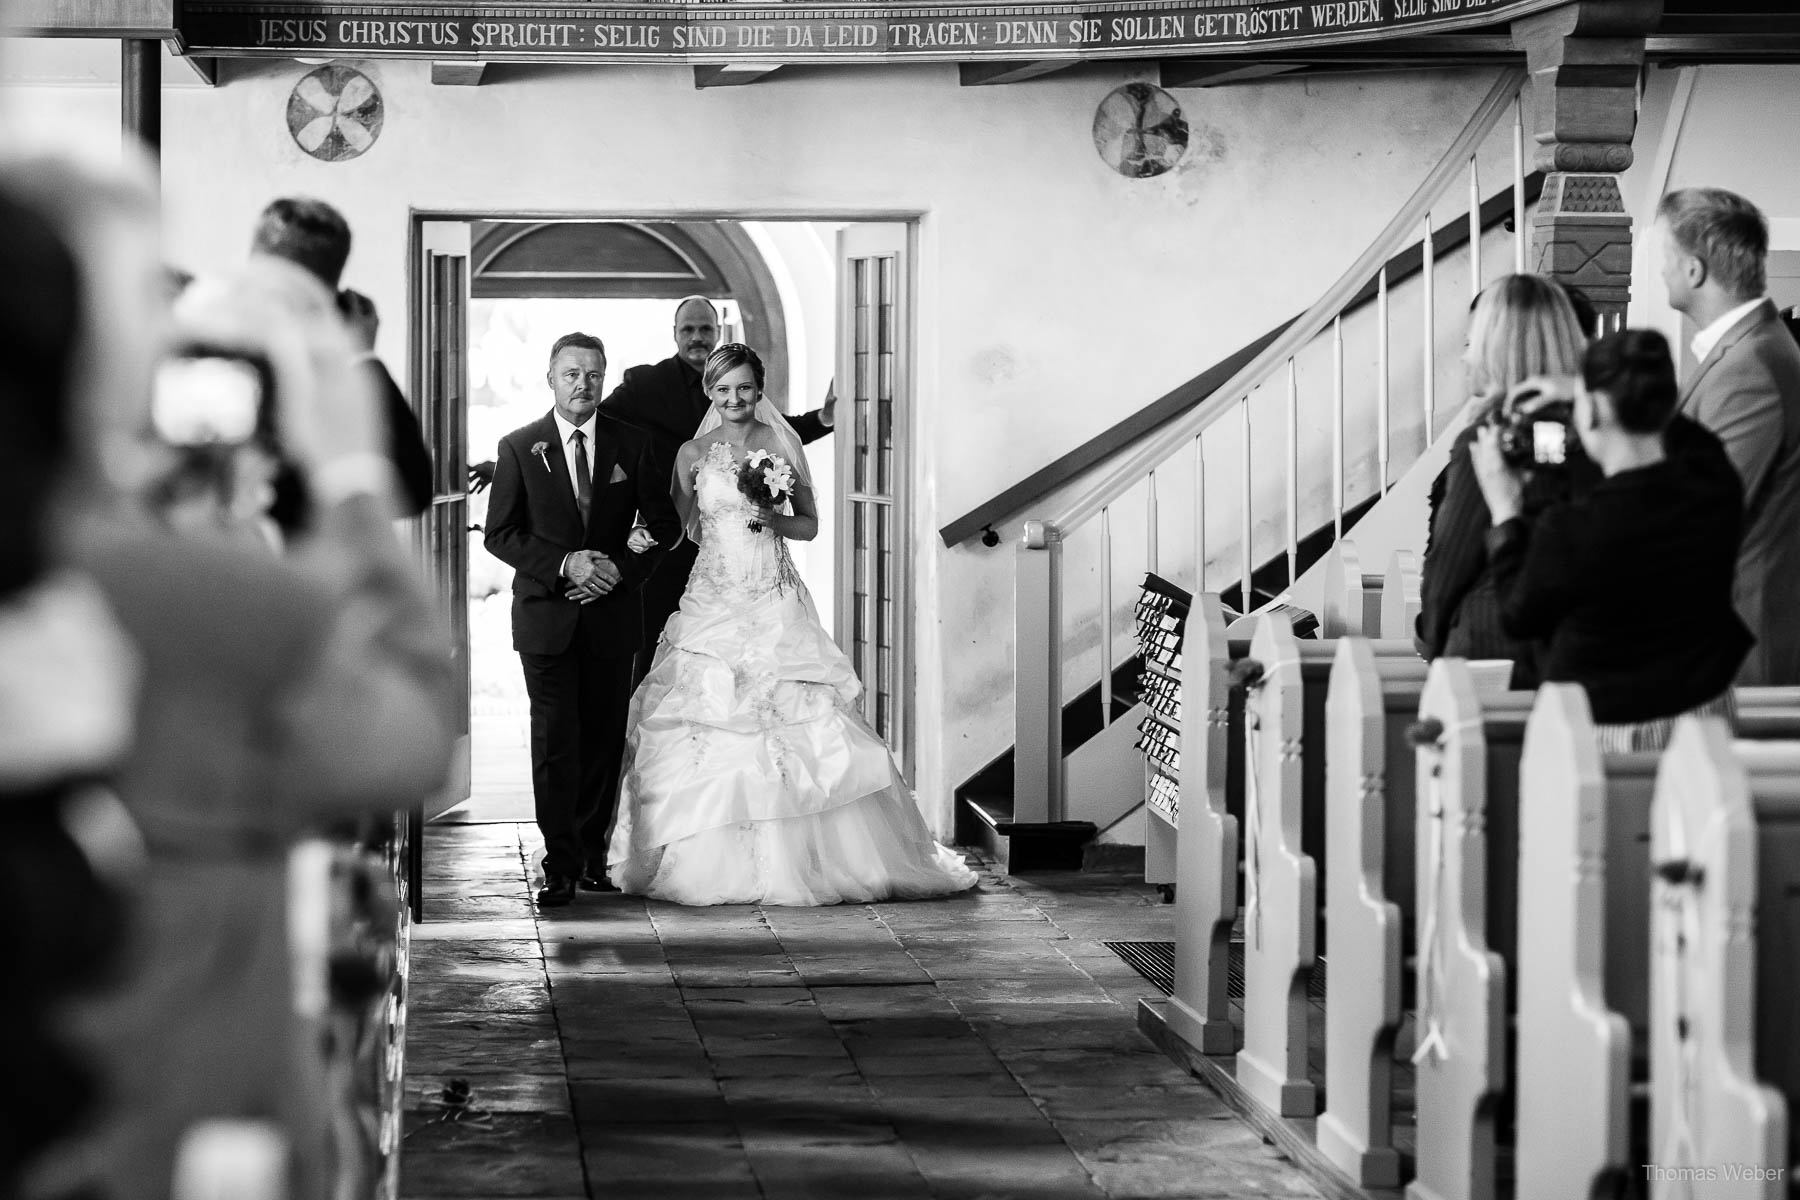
[[728, 358]]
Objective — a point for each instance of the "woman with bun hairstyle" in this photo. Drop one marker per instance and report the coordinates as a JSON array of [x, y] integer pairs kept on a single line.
[[1628, 583]]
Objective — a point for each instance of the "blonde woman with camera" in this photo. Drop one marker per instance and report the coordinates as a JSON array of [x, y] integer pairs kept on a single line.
[[1523, 326]]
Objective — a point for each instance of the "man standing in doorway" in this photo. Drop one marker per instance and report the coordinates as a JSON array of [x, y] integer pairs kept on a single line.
[[1746, 389], [566, 489], [666, 401]]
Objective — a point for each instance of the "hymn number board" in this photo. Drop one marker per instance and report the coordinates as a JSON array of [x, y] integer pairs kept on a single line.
[[803, 30], [1161, 619]]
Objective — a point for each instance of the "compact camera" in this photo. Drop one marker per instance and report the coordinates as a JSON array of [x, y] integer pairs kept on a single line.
[[206, 395], [1539, 438]]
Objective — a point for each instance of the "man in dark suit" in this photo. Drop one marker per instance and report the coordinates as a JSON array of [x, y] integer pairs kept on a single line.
[[666, 401], [405, 444], [314, 235], [566, 490], [1746, 389]]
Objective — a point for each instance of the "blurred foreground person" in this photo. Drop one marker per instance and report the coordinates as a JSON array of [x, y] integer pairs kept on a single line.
[[67, 689], [278, 695]]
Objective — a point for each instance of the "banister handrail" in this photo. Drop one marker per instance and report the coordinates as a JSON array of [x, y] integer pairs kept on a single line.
[[1502, 207], [1178, 433]]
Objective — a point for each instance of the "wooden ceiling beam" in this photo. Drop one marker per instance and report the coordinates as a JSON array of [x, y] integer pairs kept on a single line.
[[732, 74], [1214, 72], [983, 74], [458, 74], [123, 19]]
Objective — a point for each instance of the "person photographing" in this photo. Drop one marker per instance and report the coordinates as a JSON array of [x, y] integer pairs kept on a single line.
[[1627, 583]]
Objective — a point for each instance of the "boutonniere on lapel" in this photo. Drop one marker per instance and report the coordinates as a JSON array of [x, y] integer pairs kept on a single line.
[[542, 449]]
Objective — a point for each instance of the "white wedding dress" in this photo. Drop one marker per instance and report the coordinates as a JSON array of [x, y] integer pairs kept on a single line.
[[749, 777]]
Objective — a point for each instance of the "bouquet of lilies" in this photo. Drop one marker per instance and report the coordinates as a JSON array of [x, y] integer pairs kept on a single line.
[[767, 480]]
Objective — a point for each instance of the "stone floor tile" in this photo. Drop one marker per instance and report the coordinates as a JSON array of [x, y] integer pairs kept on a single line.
[[496, 1093], [956, 1063], [464, 995], [821, 1065], [676, 1154], [1078, 1101], [958, 1110], [509, 1154], [513, 930], [647, 1101], [476, 908]]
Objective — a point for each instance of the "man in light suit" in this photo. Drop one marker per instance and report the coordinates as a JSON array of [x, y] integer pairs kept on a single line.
[[1746, 389], [566, 490]]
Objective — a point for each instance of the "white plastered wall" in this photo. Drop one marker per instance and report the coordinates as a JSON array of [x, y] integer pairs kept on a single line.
[[1054, 296]]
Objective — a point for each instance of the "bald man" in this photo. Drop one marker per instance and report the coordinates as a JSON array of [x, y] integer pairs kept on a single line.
[[665, 400]]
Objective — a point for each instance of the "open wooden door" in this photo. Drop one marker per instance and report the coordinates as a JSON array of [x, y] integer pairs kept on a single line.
[[874, 380], [440, 394]]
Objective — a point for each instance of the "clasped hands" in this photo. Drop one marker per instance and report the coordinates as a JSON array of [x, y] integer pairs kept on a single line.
[[591, 575]]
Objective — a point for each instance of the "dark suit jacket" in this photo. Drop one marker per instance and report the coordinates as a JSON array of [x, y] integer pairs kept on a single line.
[[1748, 392], [405, 444], [533, 523]]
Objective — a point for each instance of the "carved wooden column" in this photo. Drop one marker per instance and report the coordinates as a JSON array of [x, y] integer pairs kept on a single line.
[[1585, 59]]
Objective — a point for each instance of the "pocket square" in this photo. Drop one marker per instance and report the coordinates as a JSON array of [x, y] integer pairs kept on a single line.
[[618, 475]]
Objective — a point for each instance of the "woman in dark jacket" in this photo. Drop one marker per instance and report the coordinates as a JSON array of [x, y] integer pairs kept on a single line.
[[1628, 584], [1522, 326]]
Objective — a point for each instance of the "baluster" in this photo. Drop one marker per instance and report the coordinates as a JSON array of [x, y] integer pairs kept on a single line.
[[1037, 698], [1199, 513], [1381, 375], [1337, 424], [1152, 530], [1429, 280], [1474, 227], [1106, 601], [1520, 235], [1293, 469], [1245, 527]]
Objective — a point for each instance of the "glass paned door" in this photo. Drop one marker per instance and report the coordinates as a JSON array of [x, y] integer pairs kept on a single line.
[[440, 396], [874, 355]]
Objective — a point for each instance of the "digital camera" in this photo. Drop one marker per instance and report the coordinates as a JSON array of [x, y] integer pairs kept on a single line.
[[206, 395], [1539, 438]]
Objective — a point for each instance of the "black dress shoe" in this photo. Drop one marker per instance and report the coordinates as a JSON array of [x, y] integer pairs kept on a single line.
[[557, 891], [596, 883]]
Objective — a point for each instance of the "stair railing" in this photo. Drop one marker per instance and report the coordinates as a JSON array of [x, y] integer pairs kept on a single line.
[[1038, 595]]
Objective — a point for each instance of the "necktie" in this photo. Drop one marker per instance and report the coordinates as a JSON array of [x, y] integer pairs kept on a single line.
[[584, 486]]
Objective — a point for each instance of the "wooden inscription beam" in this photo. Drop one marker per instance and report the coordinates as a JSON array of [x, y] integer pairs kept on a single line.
[[1022, 39]]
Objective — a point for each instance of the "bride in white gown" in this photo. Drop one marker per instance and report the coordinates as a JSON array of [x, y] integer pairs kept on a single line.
[[749, 777]]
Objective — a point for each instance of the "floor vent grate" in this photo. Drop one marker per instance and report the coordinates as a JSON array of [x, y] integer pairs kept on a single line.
[[1155, 961]]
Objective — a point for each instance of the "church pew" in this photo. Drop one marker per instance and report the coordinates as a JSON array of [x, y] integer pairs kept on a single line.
[[1206, 852], [1725, 941], [1371, 704], [1583, 974], [1400, 595], [1353, 598], [1467, 784], [1285, 681]]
